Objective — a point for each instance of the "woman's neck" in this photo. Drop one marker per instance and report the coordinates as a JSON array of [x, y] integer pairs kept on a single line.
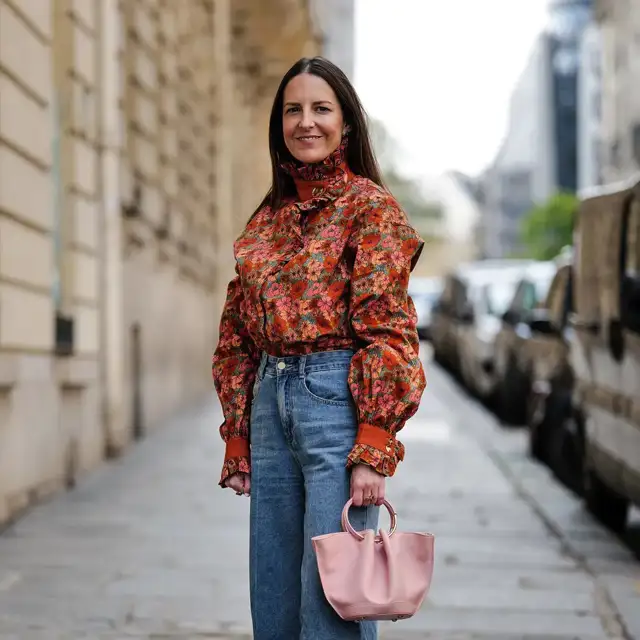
[[311, 179]]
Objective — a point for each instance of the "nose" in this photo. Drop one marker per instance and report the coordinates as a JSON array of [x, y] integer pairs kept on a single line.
[[307, 121]]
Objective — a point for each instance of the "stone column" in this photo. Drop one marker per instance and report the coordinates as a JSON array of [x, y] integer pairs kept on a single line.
[[111, 281], [225, 144]]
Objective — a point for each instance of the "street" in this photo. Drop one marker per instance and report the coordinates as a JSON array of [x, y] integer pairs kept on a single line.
[[149, 547]]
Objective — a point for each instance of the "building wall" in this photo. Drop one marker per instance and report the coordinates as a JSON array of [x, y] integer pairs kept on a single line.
[[541, 149], [568, 20], [620, 23], [167, 113], [524, 168], [590, 109], [31, 388], [132, 150]]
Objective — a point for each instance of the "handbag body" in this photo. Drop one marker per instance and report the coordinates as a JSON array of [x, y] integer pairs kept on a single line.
[[374, 577]]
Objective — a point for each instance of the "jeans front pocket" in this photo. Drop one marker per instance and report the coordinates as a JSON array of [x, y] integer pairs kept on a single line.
[[328, 386]]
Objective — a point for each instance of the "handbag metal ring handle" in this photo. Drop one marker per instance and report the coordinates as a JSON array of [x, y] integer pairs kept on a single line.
[[346, 525]]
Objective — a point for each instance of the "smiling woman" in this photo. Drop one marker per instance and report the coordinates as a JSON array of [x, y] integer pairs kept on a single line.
[[317, 365]]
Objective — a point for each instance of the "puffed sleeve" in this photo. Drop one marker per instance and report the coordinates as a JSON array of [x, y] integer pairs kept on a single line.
[[234, 367], [386, 376]]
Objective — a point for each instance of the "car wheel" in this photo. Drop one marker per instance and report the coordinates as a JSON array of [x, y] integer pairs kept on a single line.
[[565, 447], [607, 505], [512, 409], [538, 426]]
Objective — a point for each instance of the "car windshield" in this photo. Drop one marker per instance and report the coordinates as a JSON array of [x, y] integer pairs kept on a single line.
[[426, 289], [498, 297], [430, 296], [542, 284]]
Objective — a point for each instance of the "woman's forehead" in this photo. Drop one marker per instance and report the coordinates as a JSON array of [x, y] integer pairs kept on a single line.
[[307, 87]]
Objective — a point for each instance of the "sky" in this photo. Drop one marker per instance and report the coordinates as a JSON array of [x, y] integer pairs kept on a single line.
[[439, 74]]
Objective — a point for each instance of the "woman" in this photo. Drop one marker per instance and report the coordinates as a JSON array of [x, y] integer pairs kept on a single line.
[[317, 364]]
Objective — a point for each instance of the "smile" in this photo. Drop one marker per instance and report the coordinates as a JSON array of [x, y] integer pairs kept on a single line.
[[309, 138]]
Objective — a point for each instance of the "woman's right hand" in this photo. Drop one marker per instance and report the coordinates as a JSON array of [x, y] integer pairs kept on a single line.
[[240, 483]]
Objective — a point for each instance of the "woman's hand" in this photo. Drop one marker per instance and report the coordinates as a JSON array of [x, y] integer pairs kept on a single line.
[[367, 486], [240, 483]]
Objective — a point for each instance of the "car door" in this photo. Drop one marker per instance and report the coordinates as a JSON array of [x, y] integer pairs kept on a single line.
[[522, 343], [505, 342], [440, 318], [629, 419]]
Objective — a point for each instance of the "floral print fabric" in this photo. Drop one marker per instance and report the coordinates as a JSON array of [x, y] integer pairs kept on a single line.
[[328, 270]]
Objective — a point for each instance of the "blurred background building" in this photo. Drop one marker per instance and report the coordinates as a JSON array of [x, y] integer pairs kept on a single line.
[[619, 21], [133, 146], [590, 108], [539, 153], [523, 170]]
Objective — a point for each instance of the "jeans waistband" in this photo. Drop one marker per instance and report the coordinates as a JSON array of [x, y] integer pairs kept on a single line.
[[279, 365]]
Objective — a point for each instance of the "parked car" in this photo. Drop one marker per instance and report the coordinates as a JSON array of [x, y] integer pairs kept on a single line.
[[489, 300], [454, 308], [513, 351], [604, 348], [424, 292], [551, 420]]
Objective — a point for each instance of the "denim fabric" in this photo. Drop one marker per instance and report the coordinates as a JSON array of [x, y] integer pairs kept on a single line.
[[303, 425]]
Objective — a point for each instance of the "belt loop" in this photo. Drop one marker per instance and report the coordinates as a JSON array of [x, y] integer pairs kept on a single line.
[[302, 365]]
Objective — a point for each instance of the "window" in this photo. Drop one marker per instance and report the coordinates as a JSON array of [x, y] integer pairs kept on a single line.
[[632, 262], [566, 61], [518, 298], [559, 299], [631, 277], [530, 299], [541, 286], [497, 297], [635, 142]]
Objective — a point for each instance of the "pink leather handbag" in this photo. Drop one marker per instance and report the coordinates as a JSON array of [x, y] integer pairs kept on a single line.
[[369, 577]]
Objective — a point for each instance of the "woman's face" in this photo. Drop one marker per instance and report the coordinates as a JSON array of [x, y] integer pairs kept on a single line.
[[312, 120]]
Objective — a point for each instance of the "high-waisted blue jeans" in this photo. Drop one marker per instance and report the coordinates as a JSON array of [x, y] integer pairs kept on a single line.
[[303, 425]]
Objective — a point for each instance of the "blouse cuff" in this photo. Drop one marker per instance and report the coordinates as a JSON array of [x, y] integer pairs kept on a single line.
[[236, 458], [376, 448]]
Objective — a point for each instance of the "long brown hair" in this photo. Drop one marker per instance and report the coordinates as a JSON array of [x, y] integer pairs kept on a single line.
[[360, 156]]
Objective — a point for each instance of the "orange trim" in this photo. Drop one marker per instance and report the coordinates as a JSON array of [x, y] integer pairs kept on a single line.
[[236, 448], [308, 189], [376, 437]]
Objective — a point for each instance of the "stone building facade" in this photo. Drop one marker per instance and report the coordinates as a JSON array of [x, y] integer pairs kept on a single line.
[[132, 149], [619, 22]]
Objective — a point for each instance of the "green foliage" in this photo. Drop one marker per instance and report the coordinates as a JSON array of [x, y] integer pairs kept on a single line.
[[548, 227]]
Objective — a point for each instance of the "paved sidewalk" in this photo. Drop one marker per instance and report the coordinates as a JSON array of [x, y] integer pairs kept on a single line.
[[149, 547], [615, 568]]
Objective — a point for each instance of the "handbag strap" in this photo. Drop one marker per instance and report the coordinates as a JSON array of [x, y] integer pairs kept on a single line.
[[346, 525]]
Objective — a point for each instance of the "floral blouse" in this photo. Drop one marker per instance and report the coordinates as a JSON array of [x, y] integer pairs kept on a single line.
[[328, 270]]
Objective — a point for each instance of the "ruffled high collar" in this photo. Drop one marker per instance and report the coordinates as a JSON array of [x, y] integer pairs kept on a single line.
[[320, 180]]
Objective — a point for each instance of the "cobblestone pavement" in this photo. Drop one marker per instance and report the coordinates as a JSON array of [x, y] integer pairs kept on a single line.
[[149, 547]]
